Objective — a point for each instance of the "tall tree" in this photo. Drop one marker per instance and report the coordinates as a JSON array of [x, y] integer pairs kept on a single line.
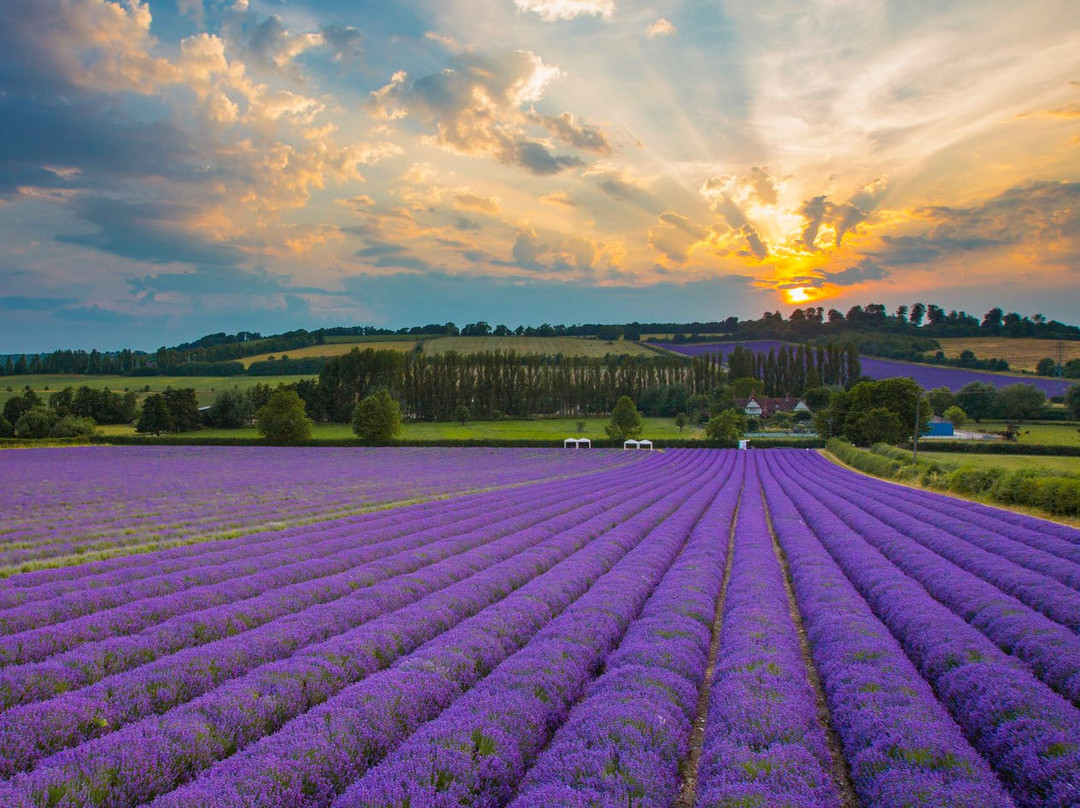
[[625, 420]]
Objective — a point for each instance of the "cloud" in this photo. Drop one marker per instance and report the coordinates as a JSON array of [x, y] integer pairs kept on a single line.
[[156, 232], [555, 10], [661, 27], [1042, 216], [865, 270], [755, 246], [580, 136], [476, 108], [819, 210], [558, 199], [466, 200], [619, 184], [675, 235]]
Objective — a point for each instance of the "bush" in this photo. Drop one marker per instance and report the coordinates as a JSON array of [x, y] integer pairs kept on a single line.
[[377, 418], [727, 426], [283, 419]]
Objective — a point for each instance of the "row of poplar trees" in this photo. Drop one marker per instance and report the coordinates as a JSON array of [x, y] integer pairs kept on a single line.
[[498, 383], [791, 369]]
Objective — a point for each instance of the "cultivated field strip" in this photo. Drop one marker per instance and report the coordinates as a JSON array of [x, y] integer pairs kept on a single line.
[[1027, 732], [304, 579], [214, 491], [763, 739], [678, 629], [192, 736], [31, 732], [1035, 543], [1051, 650], [899, 740]]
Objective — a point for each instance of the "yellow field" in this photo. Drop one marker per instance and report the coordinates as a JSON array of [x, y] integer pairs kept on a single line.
[[567, 346], [332, 349], [1021, 354]]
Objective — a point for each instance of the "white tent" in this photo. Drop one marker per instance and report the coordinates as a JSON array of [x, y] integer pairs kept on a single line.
[[637, 444], [577, 443]]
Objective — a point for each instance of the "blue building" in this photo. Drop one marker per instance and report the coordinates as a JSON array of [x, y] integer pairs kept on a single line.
[[938, 428]]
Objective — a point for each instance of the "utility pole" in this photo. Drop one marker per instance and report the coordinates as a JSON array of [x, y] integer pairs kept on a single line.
[[915, 440]]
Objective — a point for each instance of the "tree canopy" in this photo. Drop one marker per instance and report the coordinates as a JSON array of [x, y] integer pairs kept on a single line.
[[626, 421], [283, 419], [377, 418]]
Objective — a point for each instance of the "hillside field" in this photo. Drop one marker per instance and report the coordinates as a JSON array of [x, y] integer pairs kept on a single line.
[[548, 346], [1021, 354], [201, 627], [205, 386]]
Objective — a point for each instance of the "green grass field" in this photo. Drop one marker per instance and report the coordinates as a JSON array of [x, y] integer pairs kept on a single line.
[[1057, 465], [205, 386], [553, 429], [1064, 434]]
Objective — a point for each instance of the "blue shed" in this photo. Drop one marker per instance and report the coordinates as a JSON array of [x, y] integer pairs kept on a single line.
[[938, 428]]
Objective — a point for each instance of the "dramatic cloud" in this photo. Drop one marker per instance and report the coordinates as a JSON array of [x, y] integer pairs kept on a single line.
[[554, 10], [865, 270], [1045, 215], [476, 108]]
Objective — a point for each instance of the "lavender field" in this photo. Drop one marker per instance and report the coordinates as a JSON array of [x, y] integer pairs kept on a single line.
[[927, 376], [423, 627]]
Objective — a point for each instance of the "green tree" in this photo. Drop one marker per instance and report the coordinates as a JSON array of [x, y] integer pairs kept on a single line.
[[156, 416], [283, 419], [956, 416], [940, 398], [817, 398], [979, 400], [727, 426], [461, 414], [34, 423], [897, 395], [1046, 367], [626, 421], [184, 408], [1072, 402], [745, 387], [231, 410], [876, 425], [377, 418], [680, 421], [1021, 401], [7, 430]]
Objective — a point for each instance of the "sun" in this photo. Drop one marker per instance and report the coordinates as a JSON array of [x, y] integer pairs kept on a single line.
[[800, 294]]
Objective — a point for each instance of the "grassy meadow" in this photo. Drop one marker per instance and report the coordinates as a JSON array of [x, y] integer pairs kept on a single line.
[[553, 429], [205, 386], [1055, 465]]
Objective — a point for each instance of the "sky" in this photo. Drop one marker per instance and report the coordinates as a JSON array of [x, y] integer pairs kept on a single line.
[[179, 167]]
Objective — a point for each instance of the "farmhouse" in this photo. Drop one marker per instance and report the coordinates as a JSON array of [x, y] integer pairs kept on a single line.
[[764, 406]]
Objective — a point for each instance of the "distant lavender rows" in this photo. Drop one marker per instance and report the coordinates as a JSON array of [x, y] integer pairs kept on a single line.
[[53, 501], [927, 376], [555, 643]]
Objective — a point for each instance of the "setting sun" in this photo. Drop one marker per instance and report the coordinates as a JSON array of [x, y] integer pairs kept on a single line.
[[798, 295]]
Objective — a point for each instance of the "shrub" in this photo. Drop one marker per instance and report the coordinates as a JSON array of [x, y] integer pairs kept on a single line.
[[283, 418], [377, 418]]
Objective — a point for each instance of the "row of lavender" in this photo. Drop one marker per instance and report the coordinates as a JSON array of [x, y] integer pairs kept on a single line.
[[54, 501], [838, 640], [144, 731]]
